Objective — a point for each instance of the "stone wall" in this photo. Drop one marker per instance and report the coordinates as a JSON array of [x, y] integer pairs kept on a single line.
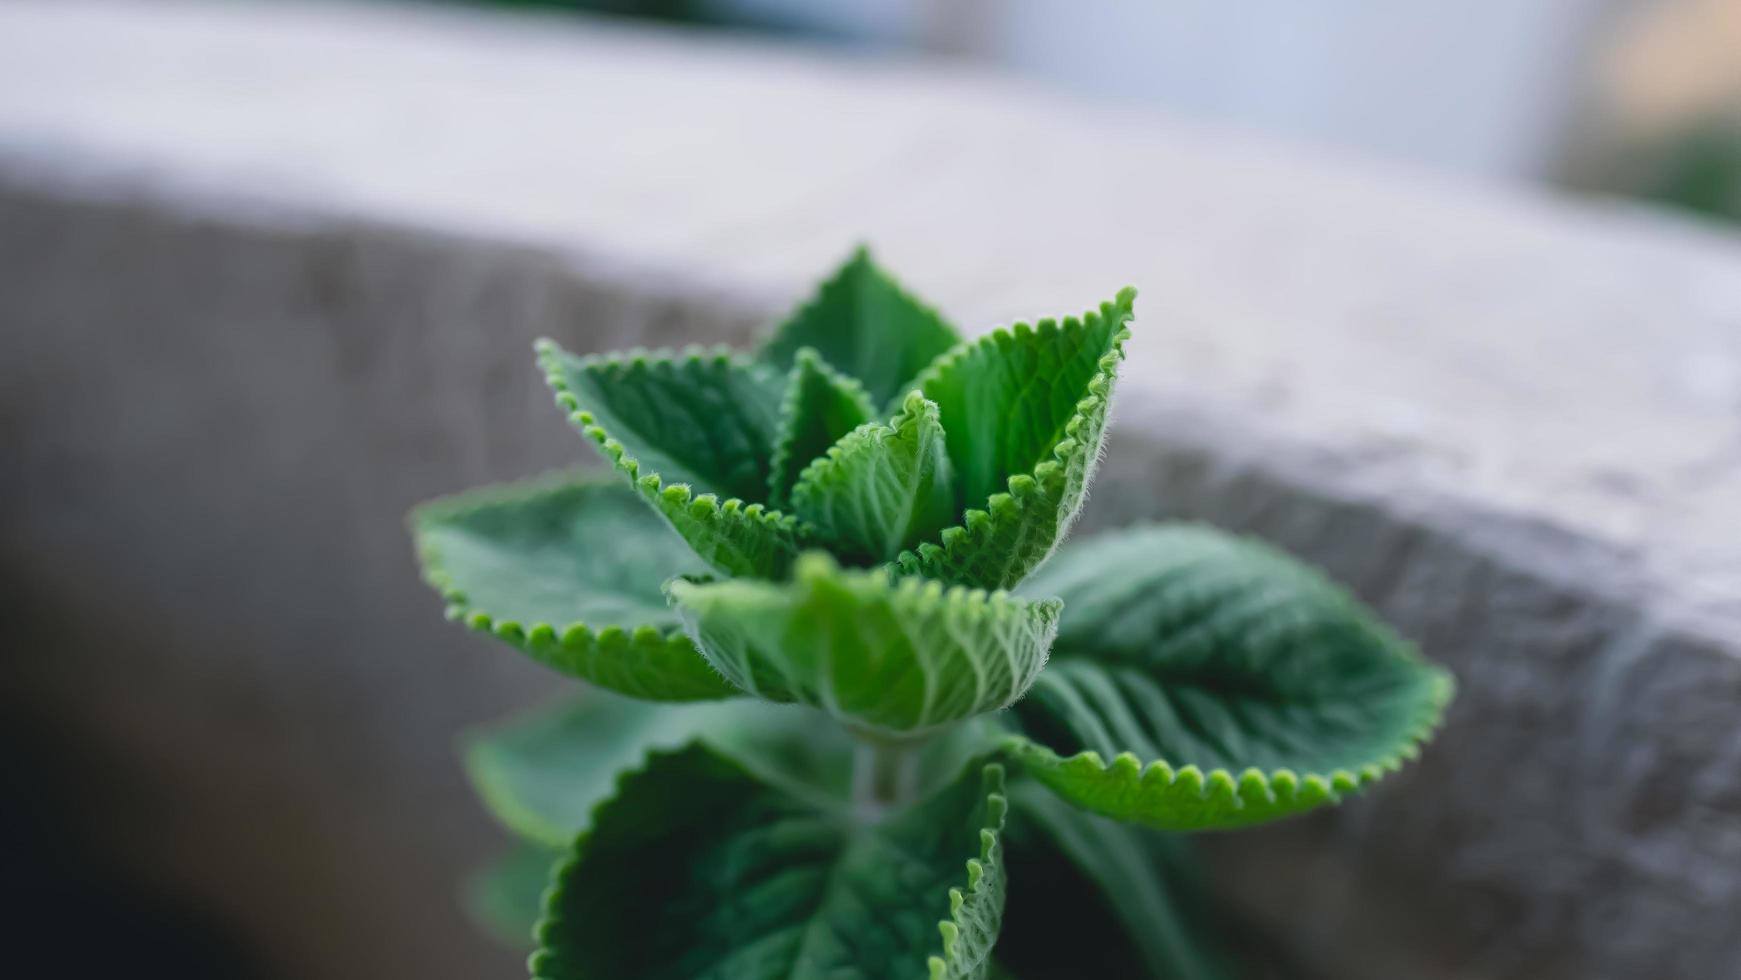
[[269, 275]]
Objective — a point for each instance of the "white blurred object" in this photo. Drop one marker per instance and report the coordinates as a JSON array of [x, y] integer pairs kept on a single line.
[[1479, 87]]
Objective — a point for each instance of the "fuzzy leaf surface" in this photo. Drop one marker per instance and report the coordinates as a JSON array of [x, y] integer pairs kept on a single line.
[[569, 570], [1204, 680], [1025, 410], [693, 433], [894, 657], [863, 323], [821, 406], [697, 870], [883, 487]]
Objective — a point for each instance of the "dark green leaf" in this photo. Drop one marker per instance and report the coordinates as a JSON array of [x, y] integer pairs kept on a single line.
[[821, 405], [866, 325], [882, 488], [1226, 683], [1025, 410], [693, 433], [1130, 900], [570, 571], [696, 870], [891, 657]]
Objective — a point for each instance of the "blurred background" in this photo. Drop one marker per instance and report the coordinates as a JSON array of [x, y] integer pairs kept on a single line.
[[1625, 97], [228, 707]]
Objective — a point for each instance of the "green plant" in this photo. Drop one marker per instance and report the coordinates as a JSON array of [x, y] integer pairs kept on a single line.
[[809, 547]]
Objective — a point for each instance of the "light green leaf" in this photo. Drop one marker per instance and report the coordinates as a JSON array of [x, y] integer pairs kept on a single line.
[[883, 487], [975, 918], [1131, 899], [893, 658], [821, 405], [507, 897], [867, 326], [693, 433], [569, 570], [1226, 683], [1025, 410], [542, 774], [696, 870]]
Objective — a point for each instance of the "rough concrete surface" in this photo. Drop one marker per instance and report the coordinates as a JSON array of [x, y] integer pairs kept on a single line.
[[270, 274]]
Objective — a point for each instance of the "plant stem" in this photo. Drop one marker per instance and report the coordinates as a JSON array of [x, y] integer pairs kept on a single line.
[[884, 775]]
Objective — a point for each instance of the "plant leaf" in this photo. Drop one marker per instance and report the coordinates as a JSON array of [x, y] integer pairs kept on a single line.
[[1251, 686], [1131, 899], [688, 430], [863, 323], [889, 657], [695, 868], [507, 896], [706, 418], [570, 571], [883, 487], [541, 774], [1026, 412], [820, 406]]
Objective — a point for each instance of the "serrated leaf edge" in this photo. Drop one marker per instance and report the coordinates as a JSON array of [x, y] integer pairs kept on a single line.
[[914, 406], [1252, 786], [990, 836], [540, 641], [781, 458], [550, 918], [816, 565], [990, 844], [1044, 485], [667, 499]]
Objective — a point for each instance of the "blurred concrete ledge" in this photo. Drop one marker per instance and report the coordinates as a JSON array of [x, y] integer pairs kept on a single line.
[[269, 273]]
